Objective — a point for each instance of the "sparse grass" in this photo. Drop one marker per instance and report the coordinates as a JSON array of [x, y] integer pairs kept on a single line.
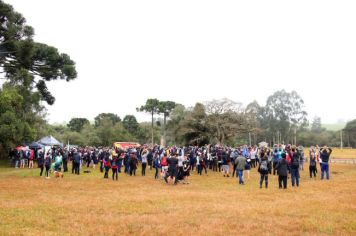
[[210, 205], [343, 153]]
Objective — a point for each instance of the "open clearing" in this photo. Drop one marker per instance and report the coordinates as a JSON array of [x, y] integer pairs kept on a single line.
[[210, 205]]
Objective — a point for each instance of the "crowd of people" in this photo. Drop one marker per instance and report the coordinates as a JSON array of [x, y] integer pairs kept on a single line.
[[175, 164]]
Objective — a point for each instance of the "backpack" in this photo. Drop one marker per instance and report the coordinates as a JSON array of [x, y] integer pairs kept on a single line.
[[295, 161], [264, 165]]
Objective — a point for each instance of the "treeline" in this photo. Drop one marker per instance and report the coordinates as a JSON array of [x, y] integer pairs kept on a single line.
[[217, 121]]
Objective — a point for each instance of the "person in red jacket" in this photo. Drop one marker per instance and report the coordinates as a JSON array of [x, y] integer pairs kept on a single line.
[[32, 156]]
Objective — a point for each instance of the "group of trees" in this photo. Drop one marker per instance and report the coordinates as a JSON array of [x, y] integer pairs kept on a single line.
[[25, 68]]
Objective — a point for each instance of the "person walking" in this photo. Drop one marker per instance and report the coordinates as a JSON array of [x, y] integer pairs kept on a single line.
[[240, 166]]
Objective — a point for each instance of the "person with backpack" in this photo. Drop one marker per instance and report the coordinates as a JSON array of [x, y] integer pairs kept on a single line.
[[295, 167], [324, 156], [40, 161], [47, 163], [282, 171], [312, 164], [264, 167]]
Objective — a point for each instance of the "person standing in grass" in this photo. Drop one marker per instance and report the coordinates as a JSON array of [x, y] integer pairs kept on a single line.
[[115, 167], [40, 161], [47, 163], [107, 164], [157, 165], [144, 162], [282, 171], [264, 167], [312, 163], [225, 164], [133, 162], [324, 156], [186, 170], [172, 168], [76, 161], [295, 167], [240, 166]]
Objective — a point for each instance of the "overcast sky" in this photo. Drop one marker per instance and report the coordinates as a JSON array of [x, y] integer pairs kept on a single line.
[[194, 51]]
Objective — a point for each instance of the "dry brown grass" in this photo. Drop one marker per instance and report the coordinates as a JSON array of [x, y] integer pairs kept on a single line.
[[210, 205], [343, 153]]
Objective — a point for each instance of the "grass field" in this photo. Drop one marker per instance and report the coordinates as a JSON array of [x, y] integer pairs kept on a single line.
[[343, 153], [210, 205]]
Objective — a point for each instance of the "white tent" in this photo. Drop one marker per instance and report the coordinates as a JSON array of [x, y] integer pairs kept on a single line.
[[49, 141]]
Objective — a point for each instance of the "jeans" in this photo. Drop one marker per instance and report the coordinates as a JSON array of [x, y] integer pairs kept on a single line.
[[295, 176], [240, 173], [325, 168]]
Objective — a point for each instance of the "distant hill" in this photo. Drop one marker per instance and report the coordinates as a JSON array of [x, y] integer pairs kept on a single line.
[[335, 126]]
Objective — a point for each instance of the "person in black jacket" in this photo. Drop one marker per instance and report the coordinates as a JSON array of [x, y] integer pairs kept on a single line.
[[282, 171], [65, 161], [295, 167], [76, 161], [40, 161]]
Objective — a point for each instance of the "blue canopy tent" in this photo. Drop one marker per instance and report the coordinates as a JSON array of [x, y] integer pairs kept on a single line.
[[35, 145]]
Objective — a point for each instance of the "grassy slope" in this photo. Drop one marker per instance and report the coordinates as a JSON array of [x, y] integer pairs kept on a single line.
[[210, 205]]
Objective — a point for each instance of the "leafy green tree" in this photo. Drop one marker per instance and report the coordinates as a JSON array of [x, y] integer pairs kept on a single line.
[[130, 124], [77, 124], [193, 128], [13, 129], [285, 114], [113, 117], [152, 107], [19, 55]]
